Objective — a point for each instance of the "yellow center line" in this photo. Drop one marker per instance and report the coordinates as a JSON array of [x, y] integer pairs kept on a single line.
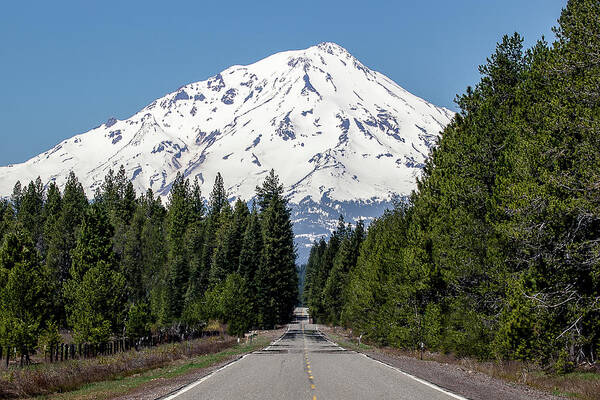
[[308, 369]]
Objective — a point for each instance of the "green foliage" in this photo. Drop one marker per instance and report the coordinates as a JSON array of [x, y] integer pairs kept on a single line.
[[128, 265], [96, 303], [139, 320], [271, 188], [96, 291], [178, 217], [229, 302], [49, 337], [276, 278], [23, 293], [61, 238], [496, 254]]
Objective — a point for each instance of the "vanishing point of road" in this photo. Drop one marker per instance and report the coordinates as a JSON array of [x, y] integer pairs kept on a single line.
[[304, 365]]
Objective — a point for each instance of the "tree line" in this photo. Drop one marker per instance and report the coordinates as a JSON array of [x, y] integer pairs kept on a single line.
[[127, 265], [497, 252]]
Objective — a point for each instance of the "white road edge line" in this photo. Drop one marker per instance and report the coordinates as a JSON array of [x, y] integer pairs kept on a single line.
[[333, 343], [275, 342], [424, 382], [199, 381], [193, 385]]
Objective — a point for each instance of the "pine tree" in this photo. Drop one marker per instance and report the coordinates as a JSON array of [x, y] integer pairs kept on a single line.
[[198, 208], [16, 196], [235, 236], [132, 266], [30, 214], [250, 259], [217, 200], [178, 216], [62, 238], [6, 217], [96, 292], [344, 262], [250, 253], [218, 196], [277, 280], [268, 190], [51, 213], [154, 252], [221, 265], [313, 266], [198, 281], [23, 294], [317, 305]]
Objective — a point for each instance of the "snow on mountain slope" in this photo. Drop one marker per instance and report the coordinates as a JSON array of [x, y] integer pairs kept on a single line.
[[335, 131]]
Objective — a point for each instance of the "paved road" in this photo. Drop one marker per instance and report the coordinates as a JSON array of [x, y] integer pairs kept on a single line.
[[304, 365]]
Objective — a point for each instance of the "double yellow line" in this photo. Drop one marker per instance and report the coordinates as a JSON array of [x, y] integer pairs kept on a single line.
[[308, 369]]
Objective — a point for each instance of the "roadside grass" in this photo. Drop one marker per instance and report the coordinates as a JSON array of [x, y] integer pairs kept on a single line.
[[122, 385], [346, 343], [106, 376], [579, 384]]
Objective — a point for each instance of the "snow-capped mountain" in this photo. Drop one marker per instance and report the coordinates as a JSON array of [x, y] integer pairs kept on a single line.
[[342, 138]]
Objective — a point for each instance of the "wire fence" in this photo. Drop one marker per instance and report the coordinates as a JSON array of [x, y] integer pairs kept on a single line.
[[58, 352]]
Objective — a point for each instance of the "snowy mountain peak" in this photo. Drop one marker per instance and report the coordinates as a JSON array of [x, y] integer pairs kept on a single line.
[[334, 130]]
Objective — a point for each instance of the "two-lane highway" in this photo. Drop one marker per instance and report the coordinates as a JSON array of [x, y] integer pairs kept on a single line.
[[303, 364]]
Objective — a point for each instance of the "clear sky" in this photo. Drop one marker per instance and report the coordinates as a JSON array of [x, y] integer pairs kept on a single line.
[[67, 66]]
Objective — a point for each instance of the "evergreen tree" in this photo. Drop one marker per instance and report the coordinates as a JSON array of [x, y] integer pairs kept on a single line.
[[268, 190], [277, 281], [23, 294], [6, 217], [250, 259], [51, 213], [317, 304], [96, 292], [16, 196], [154, 253], [132, 266], [251, 250], [218, 196], [178, 216], [198, 281], [236, 233], [197, 202], [30, 215], [334, 295], [221, 265], [62, 238]]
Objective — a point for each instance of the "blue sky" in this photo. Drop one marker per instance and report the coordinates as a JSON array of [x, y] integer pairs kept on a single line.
[[67, 66]]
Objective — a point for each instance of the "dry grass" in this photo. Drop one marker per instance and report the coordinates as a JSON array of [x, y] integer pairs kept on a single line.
[[581, 384], [45, 379]]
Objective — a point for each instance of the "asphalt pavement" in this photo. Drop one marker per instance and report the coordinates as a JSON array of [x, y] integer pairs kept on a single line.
[[304, 364]]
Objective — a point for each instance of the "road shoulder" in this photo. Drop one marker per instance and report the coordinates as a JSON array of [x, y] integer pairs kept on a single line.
[[471, 384]]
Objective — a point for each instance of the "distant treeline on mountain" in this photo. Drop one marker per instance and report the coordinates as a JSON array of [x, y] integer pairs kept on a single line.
[[126, 265], [497, 253]]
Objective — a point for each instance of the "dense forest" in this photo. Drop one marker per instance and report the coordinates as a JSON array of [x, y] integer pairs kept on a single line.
[[120, 264], [497, 252]]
